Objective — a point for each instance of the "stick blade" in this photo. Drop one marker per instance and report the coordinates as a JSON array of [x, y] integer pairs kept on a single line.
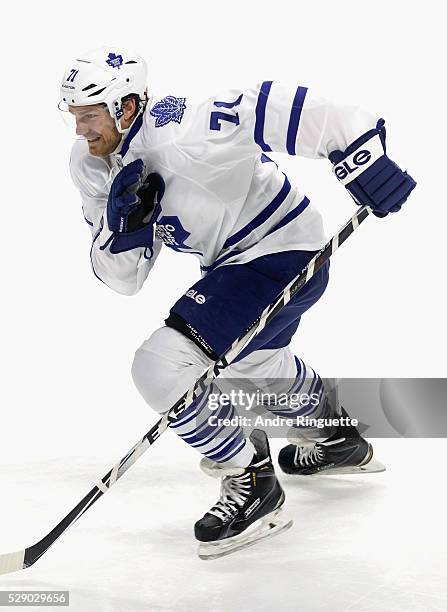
[[12, 562]]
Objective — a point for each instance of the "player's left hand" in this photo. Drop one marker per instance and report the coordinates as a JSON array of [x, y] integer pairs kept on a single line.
[[370, 176], [123, 199]]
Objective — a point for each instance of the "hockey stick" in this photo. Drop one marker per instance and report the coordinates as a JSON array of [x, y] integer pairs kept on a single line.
[[11, 562]]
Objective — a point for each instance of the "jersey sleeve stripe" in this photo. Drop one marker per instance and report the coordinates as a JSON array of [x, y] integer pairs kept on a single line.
[[229, 104], [266, 160], [262, 217], [294, 121], [88, 221], [91, 251], [260, 115]]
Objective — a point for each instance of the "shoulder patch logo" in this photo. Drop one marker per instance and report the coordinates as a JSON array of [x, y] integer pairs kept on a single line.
[[167, 110], [114, 61]]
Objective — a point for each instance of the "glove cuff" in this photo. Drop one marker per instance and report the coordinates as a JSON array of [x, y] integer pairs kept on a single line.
[[143, 237], [352, 166]]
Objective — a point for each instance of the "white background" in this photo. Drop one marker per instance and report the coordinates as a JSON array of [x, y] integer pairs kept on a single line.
[[68, 341]]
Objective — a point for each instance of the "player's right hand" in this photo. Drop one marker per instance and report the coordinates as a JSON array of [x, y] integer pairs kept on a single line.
[[123, 198]]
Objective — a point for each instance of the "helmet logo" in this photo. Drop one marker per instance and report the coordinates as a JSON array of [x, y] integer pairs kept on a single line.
[[115, 61]]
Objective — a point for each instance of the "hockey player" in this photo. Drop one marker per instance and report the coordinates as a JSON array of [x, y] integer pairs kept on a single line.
[[198, 178]]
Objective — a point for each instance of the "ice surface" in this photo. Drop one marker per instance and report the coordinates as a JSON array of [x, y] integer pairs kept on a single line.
[[359, 543]]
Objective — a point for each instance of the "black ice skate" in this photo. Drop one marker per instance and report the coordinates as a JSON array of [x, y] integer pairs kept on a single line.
[[249, 507], [345, 452]]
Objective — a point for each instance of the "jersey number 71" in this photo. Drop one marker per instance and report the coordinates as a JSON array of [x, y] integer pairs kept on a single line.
[[218, 116]]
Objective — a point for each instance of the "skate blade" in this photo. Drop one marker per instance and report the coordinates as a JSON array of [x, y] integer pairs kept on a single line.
[[369, 465], [269, 526], [373, 466]]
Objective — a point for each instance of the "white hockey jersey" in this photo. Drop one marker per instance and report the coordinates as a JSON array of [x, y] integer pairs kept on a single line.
[[225, 200]]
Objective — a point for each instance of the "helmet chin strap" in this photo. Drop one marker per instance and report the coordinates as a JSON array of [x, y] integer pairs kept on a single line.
[[125, 131], [122, 130], [120, 143]]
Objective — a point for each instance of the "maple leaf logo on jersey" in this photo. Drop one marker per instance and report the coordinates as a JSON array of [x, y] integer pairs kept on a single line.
[[167, 110], [115, 61], [171, 231]]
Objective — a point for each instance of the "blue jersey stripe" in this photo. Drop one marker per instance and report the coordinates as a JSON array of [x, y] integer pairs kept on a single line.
[[294, 120], [132, 133], [265, 160], [101, 225], [291, 215], [229, 104], [260, 115], [107, 242], [87, 221], [219, 261], [187, 250], [262, 217]]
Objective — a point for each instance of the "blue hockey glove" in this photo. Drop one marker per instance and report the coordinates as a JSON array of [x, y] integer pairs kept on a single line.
[[370, 176], [122, 197], [140, 215]]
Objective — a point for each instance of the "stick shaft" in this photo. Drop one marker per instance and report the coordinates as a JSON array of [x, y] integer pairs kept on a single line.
[[33, 553]]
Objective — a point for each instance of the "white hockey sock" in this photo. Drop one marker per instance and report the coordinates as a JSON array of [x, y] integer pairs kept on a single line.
[[307, 399], [205, 430]]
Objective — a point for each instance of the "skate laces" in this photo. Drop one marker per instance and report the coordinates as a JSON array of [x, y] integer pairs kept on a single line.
[[233, 494], [308, 455]]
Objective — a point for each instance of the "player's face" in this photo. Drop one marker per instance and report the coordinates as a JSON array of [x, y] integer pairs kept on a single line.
[[95, 124]]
